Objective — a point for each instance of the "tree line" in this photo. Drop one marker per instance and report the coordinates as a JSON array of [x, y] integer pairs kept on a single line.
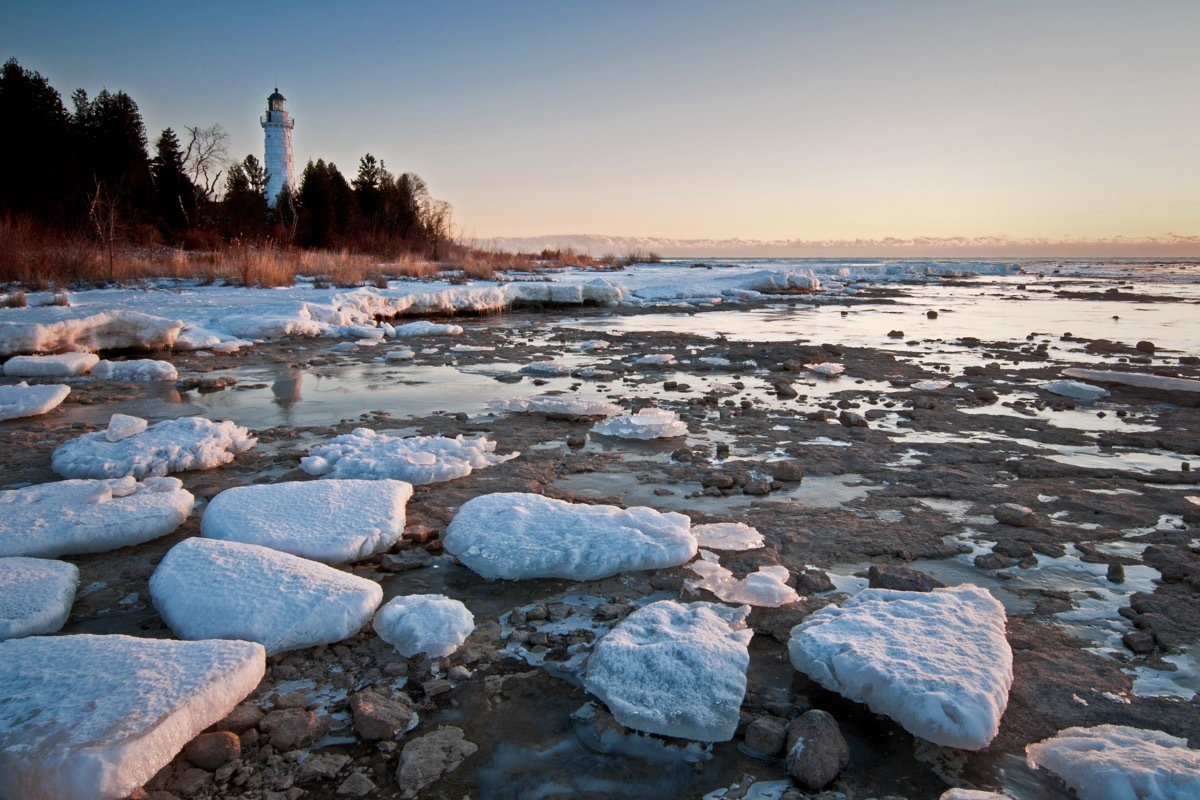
[[91, 169]]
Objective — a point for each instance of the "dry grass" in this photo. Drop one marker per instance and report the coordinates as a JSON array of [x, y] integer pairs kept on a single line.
[[13, 300]]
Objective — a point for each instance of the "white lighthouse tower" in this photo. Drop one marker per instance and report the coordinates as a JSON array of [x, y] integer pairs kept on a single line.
[[278, 124]]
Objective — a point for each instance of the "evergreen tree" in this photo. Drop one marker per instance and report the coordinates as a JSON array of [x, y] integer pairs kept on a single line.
[[35, 154], [174, 192], [111, 141], [326, 206], [244, 208]]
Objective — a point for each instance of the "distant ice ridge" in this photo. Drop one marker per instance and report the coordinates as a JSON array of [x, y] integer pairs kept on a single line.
[[432, 624], [109, 330], [1116, 762], [23, 400], [675, 669], [517, 536], [419, 460], [36, 595], [936, 662], [556, 404], [170, 446], [95, 717]]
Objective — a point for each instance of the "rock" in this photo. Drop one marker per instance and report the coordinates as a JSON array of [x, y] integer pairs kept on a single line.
[[895, 334], [357, 785], [429, 757], [975, 371], [576, 440], [1013, 514], [1116, 573], [816, 749], [717, 480], [813, 581], [766, 735], [291, 728], [900, 578], [190, 781], [324, 766], [994, 561], [241, 719], [833, 349], [785, 390], [931, 314], [851, 419], [1145, 347], [788, 471], [985, 395], [379, 717], [1139, 642], [1013, 549], [211, 751], [404, 560], [757, 487]]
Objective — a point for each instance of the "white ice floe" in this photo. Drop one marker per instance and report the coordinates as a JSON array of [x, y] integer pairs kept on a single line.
[[136, 369], [656, 358], [109, 330], [936, 662], [931, 385], [826, 369], [1116, 762], [64, 365], [556, 404], [972, 794], [649, 423], [471, 348], [170, 446], [727, 536], [122, 426], [675, 669], [89, 516], [95, 717], [769, 281], [432, 624], [516, 536], [593, 345], [23, 400], [210, 589], [1139, 379], [332, 521], [425, 328], [767, 587], [36, 595], [400, 355], [419, 460], [545, 369], [1076, 390]]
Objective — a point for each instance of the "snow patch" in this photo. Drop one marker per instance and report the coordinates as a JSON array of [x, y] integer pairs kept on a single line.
[[170, 446], [419, 460], [36, 595], [432, 624], [1116, 762]]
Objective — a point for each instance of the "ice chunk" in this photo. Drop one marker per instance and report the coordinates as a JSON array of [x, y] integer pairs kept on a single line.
[[556, 404], [972, 794], [209, 589], [89, 516], [675, 669], [170, 446], [516, 536], [931, 385], [400, 355], [95, 717], [328, 521], [727, 536], [23, 400], [136, 369], [936, 662], [771, 281], [826, 369], [1139, 379], [1076, 390], [432, 624], [649, 423], [1116, 762], [36, 595], [110, 330], [767, 587], [425, 328], [419, 460], [593, 345], [122, 426], [656, 358], [545, 369], [65, 365]]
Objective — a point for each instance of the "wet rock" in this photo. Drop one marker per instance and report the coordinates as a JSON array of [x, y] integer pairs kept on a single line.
[[816, 749], [212, 751], [429, 757], [1139, 642], [895, 334], [813, 581], [766, 735], [1013, 514], [834, 349], [788, 471], [404, 560], [377, 716], [1145, 347], [851, 419], [985, 395], [293, 700], [190, 782], [323, 766], [820, 416], [291, 728], [994, 561], [1116, 573], [757, 487], [241, 719], [975, 371], [785, 390], [1013, 549], [357, 785], [900, 578], [931, 314], [611, 611], [576, 440], [717, 480]]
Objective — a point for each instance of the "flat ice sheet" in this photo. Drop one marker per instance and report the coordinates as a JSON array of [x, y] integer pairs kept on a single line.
[[174, 445], [136, 369], [89, 516], [515, 536], [210, 589], [432, 624], [675, 669], [1116, 762], [1140, 379], [936, 662], [332, 521], [95, 717], [727, 536], [556, 405], [23, 400], [64, 365], [766, 587], [419, 460], [36, 595]]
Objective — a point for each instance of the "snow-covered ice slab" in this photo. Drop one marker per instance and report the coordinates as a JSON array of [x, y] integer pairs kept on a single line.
[[173, 445], [1139, 379], [727, 536], [545, 369], [516, 536], [136, 369], [210, 589], [1076, 390], [419, 460], [122, 426], [432, 624], [1116, 762], [556, 404], [95, 717], [89, 516], [109, 330], [331, 521], [424, 328], [826, 369], [23, 400], [649, 423], [767, 587], [64, 365], [931, 385], [675, 669], [936, 662], [36, 595]]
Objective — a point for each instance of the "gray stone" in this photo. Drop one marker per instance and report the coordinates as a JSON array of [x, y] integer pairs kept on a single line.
[[994, 561], [1014, 514], [788, 471], [900, 578], [404, 560], [291, 728], [816, 749], [321, 766], [1139, 642], [429, 757], [766, 735], [1145, 347], [757, 487], [785, 390], [813, 581], [718, 480], [212, 751], [357, 785], [852, 419], [1013, 549], [1116, 573], [377, 716], [190, 782], [241, 719]]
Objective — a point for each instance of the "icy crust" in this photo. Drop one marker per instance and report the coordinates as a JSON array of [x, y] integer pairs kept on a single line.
[[170, 446], [137, 369], [210, 589], [556, 404], [423, 328], [36, 595], [826, 369], [331, 521], [936, 662], [23, 400], [65, 365], [1139, 379], [727, 536], [419, 460], [675, 669], [649, 423], [432, 624], [515, 536], [95, 717], [110, 330], [1116, 762], [89, 516], [767, 587]]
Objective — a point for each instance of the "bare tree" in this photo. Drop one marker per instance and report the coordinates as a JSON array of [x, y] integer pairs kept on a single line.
[[205, 158], [104, 213]]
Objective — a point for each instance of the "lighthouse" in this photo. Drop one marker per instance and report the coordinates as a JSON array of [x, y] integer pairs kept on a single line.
[[278, 125]]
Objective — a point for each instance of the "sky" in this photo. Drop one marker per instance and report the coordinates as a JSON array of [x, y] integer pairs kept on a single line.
[[810, 122]]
